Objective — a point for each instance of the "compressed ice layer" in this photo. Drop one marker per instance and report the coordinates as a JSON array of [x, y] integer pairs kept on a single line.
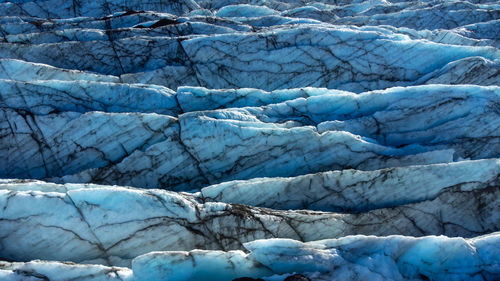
[[344, 57], [61, 271], [148, 150], [12, 69], [325, 131], [87, 8], [92, 223], [49, 96], [357, 191], [79, 102], [367, 257]]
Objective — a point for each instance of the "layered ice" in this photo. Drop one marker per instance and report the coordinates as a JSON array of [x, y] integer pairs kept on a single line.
[[86, 8], [339, 57], [92, 223], [355, 190], [62, 271], [362, 257], [217, 139], [42, 97], [327, 130]]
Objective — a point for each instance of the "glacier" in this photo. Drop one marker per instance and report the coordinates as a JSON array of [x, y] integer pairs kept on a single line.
[[91, 223], [348, 258], [249, 140]]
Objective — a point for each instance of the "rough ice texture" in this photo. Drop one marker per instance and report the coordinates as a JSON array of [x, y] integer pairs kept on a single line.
[[138, 148], [52, 96], [11, 69], [348, 258], [87, 8], [91, 223], [61, 271], [357, 191], [345, 58], [342, 57], [284, 119], [325, 131]]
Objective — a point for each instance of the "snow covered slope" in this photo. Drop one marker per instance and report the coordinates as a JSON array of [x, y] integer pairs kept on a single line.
[[216, 139]]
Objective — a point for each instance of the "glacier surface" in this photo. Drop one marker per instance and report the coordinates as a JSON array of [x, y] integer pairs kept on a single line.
[[217, 140]]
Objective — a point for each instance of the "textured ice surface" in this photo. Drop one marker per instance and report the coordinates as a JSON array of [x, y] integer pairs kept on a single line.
[[354, 190], [217, 139], [92, 223], [348, 258], [342, 57], [59, 271], [48, 96], [327, 130]]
